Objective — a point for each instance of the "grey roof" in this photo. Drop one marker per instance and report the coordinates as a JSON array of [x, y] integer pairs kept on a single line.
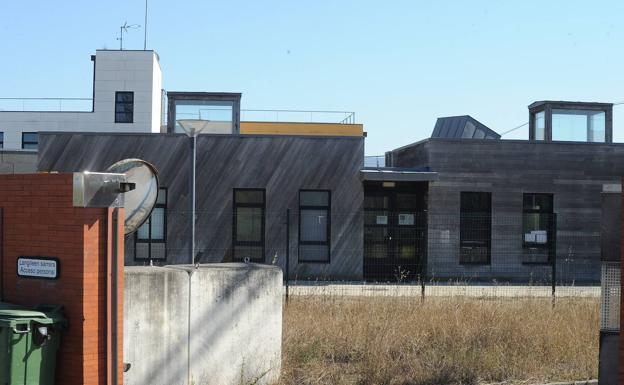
[[462, 127], [568, 104], [397, 174]]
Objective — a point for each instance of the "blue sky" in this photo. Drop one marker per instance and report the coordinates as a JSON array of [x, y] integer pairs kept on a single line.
[[398, 64]]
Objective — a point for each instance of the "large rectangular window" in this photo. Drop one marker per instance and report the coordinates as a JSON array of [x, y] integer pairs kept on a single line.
[[537, 224], [475, 227], [124, 107], [314, 226], [151, 238], [218, 115], [248, 237], [578, 125], [30, 140]]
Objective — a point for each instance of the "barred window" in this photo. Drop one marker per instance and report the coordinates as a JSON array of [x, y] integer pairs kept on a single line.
[[248, 237], [475, 227], [151, 238], [538, 227], [314, 226]]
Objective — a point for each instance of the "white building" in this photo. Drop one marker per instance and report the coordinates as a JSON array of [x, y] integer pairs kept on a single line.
[[126, 98]]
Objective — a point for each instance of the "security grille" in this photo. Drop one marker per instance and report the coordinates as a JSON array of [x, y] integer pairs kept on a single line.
[[610, 295]]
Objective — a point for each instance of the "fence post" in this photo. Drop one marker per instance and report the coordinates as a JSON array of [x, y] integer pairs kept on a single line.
[[424, 233], [553, 252], [287, 272]]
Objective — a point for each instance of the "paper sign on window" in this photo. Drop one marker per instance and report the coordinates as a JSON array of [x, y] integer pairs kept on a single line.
[[406, 219]]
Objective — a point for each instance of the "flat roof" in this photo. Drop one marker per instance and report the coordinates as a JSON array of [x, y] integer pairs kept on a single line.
[[392, 174], [540, 103]]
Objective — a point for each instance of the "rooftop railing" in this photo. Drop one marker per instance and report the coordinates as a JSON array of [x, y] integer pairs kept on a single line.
[[86, 105], [298, 116], [280, 116], [46, 104], [375, 161]]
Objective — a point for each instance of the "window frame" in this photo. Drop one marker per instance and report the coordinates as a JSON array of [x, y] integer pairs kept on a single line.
[[488, 243], [327, 241], [550, 242], [149, 240], [24, 142], [537, 116], [117, 103], [262, 242]]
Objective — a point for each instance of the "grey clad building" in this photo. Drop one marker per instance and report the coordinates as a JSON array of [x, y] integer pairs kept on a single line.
[[463, 204]]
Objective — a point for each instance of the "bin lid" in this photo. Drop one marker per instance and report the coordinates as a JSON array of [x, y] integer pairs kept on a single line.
[[15, 313]]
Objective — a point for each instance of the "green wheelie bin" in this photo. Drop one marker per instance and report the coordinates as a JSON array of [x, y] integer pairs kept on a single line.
[[29, 340]]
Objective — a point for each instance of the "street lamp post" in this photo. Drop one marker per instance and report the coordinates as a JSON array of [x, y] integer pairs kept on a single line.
[[192, 128]]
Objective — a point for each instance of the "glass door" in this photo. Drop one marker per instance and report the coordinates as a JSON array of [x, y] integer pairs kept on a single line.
[[393, 236]]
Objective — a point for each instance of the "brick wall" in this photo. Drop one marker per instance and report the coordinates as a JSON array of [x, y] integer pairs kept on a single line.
[[38, 220]]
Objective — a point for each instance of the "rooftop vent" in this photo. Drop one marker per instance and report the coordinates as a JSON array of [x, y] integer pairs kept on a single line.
[[462, 127]]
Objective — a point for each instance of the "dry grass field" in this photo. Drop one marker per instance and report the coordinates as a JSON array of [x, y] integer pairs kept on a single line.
[[403, 341]]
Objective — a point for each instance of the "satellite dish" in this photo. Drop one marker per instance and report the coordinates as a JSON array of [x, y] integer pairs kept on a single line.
[[140, 201]]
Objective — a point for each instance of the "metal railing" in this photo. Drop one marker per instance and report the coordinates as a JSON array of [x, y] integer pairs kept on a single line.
[[375, 161], [46, 104], [300, 116], [283, 116]]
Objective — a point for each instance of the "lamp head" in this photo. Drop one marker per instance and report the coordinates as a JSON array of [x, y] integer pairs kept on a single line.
[[193, 127]]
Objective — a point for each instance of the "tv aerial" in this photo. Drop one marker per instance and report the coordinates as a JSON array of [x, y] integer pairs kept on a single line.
[[125, 27]]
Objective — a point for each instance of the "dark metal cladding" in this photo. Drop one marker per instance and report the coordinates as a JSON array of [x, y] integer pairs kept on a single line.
[[462, 127], [282, 165], [574, 172]]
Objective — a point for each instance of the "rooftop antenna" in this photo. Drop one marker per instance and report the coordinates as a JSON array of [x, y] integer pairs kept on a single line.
[[123, 28], [145, 29]]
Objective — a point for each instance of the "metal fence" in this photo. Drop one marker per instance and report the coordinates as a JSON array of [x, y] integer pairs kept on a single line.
[[46, 104], [381, 252]]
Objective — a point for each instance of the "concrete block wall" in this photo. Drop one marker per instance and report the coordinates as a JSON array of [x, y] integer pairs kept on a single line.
[[218, 324]]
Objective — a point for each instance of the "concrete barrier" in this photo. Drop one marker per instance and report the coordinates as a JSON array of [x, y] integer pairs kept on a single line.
[[217, 324]]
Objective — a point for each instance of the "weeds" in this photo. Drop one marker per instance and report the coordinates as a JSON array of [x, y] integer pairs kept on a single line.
[[403, 341]]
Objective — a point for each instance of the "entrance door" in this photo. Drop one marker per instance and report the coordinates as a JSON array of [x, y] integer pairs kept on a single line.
[[394, 235]]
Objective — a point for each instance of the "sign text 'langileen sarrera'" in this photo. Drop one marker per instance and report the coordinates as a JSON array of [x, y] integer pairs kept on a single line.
[[38, 267]]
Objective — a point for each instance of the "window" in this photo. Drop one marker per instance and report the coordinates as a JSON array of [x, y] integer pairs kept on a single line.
[[578, 125], [475, 227], [30, 140], [1, 139], [248, 239], [151, 238], [540, 126], [124, 107], [218, 115], [314, 225], [537, 225]]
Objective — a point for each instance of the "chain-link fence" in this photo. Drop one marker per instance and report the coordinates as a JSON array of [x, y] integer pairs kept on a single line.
[[381, 252]]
